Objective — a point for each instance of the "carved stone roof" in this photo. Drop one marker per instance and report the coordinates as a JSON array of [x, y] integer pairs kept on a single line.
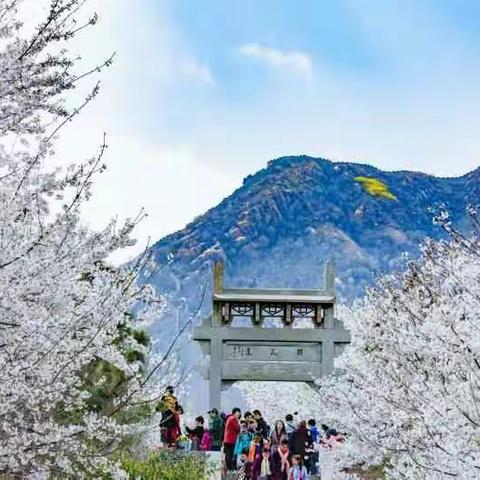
[[274, 295]]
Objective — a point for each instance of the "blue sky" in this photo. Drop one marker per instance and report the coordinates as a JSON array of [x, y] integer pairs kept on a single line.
[[387, 82], [205, 92]]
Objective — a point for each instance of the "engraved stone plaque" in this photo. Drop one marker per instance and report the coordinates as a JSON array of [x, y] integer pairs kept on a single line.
[[272, 351]]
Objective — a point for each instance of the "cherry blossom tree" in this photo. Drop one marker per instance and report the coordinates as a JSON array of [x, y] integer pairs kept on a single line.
[[409, 395], [64, 310], [277, 399]]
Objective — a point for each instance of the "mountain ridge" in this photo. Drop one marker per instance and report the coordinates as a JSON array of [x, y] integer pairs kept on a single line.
[[285, 220]]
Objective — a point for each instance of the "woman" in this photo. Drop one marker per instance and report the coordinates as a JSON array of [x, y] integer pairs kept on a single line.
[[278, 434], [281, 460], [196, 434], [302, 441]]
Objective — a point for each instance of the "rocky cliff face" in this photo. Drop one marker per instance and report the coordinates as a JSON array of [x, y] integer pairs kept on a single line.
[[287, 219]]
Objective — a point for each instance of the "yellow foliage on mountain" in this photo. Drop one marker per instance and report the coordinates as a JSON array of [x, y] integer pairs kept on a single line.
[[375, 187]]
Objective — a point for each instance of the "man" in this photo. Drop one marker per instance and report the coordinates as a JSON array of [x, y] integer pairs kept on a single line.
[[215, 427], [262, 428], [232, 429]]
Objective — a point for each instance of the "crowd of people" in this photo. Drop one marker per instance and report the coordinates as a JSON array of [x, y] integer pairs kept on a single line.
[[288, 451]]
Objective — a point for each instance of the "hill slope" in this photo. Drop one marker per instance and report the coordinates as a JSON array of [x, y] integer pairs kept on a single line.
[[287, 219]]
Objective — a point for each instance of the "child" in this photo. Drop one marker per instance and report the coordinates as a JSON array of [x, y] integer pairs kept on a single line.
[[244, 439], [244, 467], [255, 447], [312, 426], [262, 467], [206, 442], [242, 458], [297, 470], [281, 461], [289, 426], [313, 460]]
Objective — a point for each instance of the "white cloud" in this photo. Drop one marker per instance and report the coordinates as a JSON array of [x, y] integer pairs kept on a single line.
[[167, 179], [198, 71], [169, 182], [298, 61]]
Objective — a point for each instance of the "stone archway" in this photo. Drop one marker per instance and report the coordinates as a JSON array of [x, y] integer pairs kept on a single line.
[[276, 354]]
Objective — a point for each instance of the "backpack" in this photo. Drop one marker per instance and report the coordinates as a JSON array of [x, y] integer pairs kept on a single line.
[[206, 443]]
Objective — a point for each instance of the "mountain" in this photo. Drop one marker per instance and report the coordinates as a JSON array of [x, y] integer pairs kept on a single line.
[[286, 220]]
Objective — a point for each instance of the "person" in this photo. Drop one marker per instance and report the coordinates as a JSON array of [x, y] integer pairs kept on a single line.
[[215, 427], [302, 441], [331, 437], [281, 461], [243, 440], [248, 416], [169, 399], [170, 422], [312, 427], [262, 426], [289, 426], [196, 433], [245, 471], [328, 431], [206, 443], [327, 442], [278, 434], [232, 429], [252, 426], [176, 431], [255, 447], [297, 470], [242, 458], [262, 466], [313, 461]]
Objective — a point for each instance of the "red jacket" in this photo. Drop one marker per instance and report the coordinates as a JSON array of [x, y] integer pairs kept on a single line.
[[232, 429]]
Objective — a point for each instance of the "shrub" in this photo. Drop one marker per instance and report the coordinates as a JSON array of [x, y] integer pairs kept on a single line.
[[168, 466]]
